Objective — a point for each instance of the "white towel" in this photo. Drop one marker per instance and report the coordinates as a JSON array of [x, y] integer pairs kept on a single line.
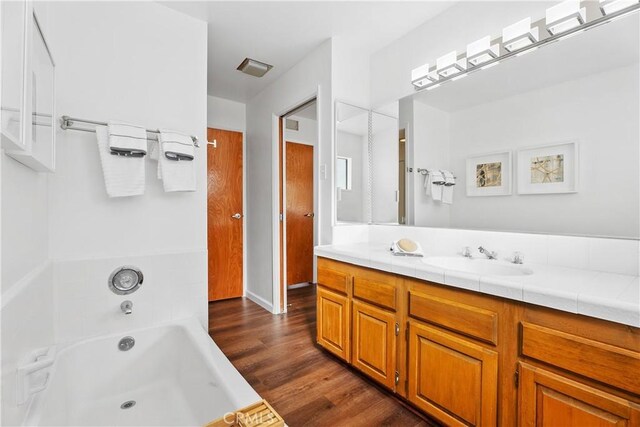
[[449, 179], [123, 176], [176, 175], [447, 188], [127, 139], [177, 146], [436, 179]]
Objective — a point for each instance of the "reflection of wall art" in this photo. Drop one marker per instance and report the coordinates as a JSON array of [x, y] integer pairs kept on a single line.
[[548, 169], [489, 174]]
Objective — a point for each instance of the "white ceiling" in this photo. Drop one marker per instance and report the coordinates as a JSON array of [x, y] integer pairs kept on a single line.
[[282, 33]]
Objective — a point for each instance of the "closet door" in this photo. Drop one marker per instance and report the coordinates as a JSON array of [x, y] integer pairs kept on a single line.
[[225, 214]]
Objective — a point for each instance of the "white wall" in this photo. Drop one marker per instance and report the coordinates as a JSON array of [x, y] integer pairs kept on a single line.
[[226, 114], [107, 58], [602, 113], [453, 29], [431, 129], [307, 132], [308, 78]]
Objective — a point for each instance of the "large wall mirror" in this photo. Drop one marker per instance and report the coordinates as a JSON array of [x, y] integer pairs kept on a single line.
[[352, 164], [366, 166], [546, 142]]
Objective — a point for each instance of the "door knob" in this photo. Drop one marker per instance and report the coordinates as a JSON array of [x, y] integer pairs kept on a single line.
[[236, 216], [310, 215]]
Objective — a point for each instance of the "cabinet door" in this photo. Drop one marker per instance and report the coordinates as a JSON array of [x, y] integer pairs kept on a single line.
[[547, 399], [333, 317], [13, 15], [452, 379], [374, 343]]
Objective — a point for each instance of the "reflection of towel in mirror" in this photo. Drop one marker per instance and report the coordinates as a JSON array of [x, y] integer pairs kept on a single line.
[[447, 190], [433, 184]]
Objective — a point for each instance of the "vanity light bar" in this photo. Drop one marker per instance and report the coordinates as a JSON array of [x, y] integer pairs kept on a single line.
[[432, 79], [519, 35], [448, 65], [565, 16], [608, 7], [482, 51]]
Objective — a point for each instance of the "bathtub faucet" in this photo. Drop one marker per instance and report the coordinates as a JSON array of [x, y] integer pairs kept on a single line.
[[126, 307]]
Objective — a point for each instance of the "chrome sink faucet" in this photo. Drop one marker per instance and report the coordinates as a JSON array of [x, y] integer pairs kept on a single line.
[[466, 252], [126, 307], [487, 253]]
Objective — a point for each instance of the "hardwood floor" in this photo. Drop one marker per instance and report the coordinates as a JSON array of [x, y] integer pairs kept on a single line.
[[278, 357]]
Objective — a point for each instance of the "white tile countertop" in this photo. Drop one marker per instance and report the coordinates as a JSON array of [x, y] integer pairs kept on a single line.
[[608, 296]]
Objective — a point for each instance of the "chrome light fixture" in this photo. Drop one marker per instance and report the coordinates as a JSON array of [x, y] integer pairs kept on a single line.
[[564, 16], [611, 6], [254, 68], [419, 76], [481, 51], [448, 65], [519, 35]]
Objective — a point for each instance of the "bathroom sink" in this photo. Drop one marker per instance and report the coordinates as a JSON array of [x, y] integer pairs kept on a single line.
[[480, 266]]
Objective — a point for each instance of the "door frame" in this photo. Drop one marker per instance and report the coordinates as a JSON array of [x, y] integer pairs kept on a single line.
[[244, 202], [279, 197]]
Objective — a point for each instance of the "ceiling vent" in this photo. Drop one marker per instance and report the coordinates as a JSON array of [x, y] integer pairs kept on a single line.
[[254, 68], [293, 124]]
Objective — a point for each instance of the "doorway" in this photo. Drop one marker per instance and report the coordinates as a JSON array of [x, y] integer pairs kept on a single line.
[[298, 148], [225, 213]]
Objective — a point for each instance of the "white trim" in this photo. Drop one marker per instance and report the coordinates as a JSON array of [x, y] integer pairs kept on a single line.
[[275, 201], [260, 301]]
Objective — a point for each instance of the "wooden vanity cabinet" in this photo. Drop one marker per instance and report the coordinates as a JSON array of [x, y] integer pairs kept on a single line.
[[374, 343], [334, 323], [548, 399], [333, 320], [452, 379], [471, 359], [577, 370]]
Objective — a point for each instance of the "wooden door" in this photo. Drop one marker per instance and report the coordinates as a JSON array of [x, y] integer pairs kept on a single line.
[[300, 215], [224, 214], [549, 400], [452, 379], [334, 323], [374, 343]]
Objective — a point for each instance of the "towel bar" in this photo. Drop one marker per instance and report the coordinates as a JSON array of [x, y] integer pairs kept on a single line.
[[67, 122]]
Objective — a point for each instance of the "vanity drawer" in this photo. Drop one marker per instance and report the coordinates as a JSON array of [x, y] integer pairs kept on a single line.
[[334, 275], [602, 362], [465, 319], [376, 288]]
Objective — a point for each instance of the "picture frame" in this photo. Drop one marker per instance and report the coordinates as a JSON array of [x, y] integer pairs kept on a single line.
[[548, 169], [489, 174]]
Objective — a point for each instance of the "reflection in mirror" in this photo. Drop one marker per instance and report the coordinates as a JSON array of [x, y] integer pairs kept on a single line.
[[352, 164], [384, 169], [546, 142]]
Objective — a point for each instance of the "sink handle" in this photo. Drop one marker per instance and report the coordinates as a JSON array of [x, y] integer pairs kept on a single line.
[[518, 258]]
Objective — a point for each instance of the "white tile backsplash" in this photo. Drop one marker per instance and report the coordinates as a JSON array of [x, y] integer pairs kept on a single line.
[[614, 255], [589, 253], [174, 286]]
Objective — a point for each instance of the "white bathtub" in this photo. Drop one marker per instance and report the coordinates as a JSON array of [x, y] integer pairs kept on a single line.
[[175, 373]]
